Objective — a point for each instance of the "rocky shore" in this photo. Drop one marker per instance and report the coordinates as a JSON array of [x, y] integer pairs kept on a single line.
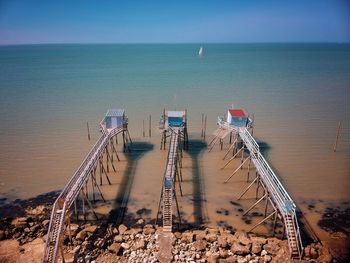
[[22, 240]]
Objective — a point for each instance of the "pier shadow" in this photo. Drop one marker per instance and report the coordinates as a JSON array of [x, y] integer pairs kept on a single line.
[[138, 150], [195, 149], [264, 148]]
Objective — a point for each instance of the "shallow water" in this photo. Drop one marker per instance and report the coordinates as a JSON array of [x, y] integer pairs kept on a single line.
[[297, 92]]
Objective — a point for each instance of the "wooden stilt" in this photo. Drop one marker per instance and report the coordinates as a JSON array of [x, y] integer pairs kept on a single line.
[[232, 158], [239, 167], [250, 159], [88, 130], [229, 149], [257, 202], [177, 207], [143, 128], [205, 126], [202, 134], [246, 190], [262, 221], [150, 126]]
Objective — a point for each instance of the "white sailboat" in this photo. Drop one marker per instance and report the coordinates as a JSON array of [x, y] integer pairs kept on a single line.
[[201, 52]]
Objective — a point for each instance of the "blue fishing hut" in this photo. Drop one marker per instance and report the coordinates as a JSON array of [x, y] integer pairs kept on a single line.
[[176, 118], [115, 118]]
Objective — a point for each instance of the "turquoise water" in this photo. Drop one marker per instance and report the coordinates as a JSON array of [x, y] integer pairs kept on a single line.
[[298, 93]]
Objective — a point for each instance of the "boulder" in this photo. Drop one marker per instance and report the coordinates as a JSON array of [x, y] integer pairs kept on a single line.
[[139, 244], [81, 235], [122, 228], [118, 238], [243, 238], [211, 237], [256, 247], [199, 234], [222, 241], [239, 249], [178, 235], [19, 222], [200, 245], [114, 248], [90, 229], [187, 237]]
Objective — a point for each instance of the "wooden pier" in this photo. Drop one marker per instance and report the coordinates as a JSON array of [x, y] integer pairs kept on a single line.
[[104, 149], [273, 191]]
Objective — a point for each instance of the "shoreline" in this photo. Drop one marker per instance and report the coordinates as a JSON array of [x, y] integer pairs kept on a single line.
[[23, 236]]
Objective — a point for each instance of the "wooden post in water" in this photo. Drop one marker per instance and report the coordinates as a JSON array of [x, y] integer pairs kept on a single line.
[[202, 125], [205, 125], [150, 120], [88, 130], [143, 128], [337, 137]]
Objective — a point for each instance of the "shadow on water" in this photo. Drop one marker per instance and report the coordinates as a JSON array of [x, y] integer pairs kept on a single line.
[[264, 148], [138, 150], [195, 149]]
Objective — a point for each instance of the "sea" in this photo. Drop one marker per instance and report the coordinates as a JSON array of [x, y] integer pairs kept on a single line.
[[297, 93]]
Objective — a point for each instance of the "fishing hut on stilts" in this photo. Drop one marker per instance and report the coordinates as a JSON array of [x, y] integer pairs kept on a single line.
[[173, 125], [239, 127], [81, 192]]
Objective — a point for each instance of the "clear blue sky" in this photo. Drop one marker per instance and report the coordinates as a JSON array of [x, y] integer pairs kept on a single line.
[[148, 21]]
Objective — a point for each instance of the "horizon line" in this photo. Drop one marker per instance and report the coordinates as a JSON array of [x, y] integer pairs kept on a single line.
[[174, 43]]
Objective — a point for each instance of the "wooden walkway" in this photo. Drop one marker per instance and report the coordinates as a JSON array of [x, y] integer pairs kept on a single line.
[[71, 192], [274, 191]]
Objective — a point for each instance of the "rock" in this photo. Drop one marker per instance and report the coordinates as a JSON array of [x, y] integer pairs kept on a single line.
[[114, 248], [69, 257], [263, 252], [34, 228], [46, 223], [243, 238], [267, 258], [200, 245], [257, 243], [222, 242], [187, 237], [149, 231], [178, 235], [199, 234], [122, 228], [118, 238], [313, 253], [223, 253], [239, 249], [211, 237], [213, 258], [76, 249], [19, 222], [90, 229], [81, 235], [229, 238], [39, 210], [139, 244], [125, 245], [140, 221], [271, 249], [324, 255]]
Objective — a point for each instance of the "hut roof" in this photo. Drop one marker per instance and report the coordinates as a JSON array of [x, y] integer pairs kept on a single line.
[[238, 112], [115, 113]]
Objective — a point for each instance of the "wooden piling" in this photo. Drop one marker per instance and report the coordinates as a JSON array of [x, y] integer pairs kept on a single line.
[[202, 125], [205, 126], [150, 121], [337, 137], [143, 128], [88, 130]]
